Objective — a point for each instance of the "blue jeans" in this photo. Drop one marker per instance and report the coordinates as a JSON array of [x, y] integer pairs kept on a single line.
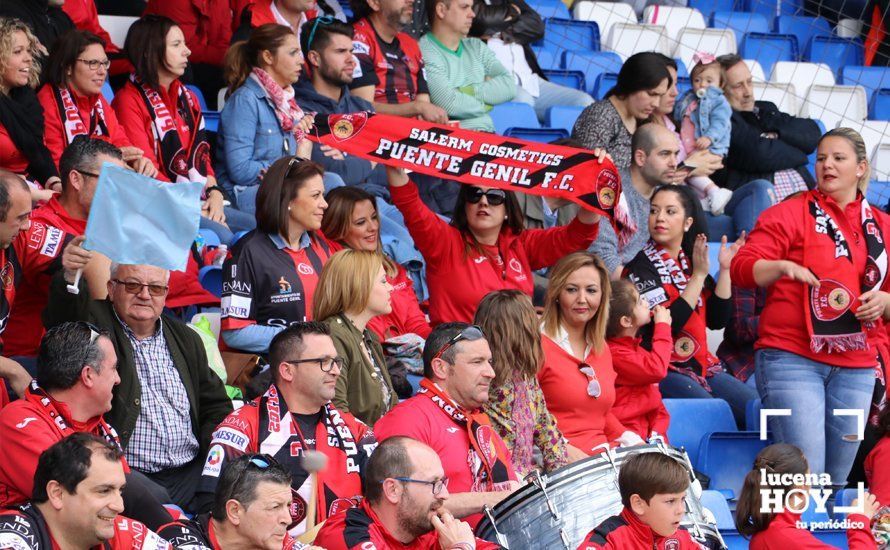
[[245, 197], [724, 386], [551, 95], [812, 391], [746, 204]]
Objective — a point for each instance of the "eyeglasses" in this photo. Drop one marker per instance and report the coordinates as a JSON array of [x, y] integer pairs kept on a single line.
[[94, 64], [324, 20], [472, 332], [326, 364], [437, 484], [593, 384], [495, 197], [133, 287]]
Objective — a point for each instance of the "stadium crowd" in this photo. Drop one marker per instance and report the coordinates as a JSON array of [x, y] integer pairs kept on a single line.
[[540, 337]]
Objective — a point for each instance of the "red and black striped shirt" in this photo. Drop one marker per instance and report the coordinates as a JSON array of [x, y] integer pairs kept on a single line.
[[395, 69]]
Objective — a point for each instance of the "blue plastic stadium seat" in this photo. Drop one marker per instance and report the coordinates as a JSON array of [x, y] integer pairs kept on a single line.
[[708, 7], [740, 22], [604, 83], [200, 95], [870, 78], [107, 91], [803, 27], [563, 116], [767, 48], [541, 135], [713, 253], [211, 239], [237, 236], [752, 415], [879, 108], [682, 71], [568, 34], [570, 79], [548, 59], [878, 193], [844, 497], [511, 114], [771, 8], [684, 84], [716, 503], [835, 52], [693, 418], [726, 457], [210, 277], [211, 121], [550, 8], [592, 64]]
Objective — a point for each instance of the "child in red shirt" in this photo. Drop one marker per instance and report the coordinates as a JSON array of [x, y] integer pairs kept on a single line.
[[638, 402], [653, 490], [779, 530]]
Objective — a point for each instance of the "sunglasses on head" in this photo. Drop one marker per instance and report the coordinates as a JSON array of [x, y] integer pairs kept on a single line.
[[324, 20], [495, 197], [472, 332]]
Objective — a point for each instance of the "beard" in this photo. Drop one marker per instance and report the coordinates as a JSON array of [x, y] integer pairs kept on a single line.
[[334, 78], [415, 519]]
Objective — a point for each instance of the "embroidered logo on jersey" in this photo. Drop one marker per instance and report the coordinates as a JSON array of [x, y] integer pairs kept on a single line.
[[51, 241], [360, 48], [341, 504], [515, 265], [21, 425], [305, 269], [235, 306], [6, 275], [17, 533], [297, 508], [283, 285], [231, 438], [672, 544], [213, 466]]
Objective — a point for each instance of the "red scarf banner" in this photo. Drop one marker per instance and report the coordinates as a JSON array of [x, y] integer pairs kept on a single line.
[[478, 158]]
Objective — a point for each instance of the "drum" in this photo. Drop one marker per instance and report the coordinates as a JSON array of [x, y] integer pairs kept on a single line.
[[558, 509]]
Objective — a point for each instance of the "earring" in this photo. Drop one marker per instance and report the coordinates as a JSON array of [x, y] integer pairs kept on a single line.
[[288, 208], [859, 175]]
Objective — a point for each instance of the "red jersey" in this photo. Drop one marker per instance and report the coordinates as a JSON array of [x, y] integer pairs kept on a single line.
[[783, 534], [406, 316], [509, 264], [877, 470], [585, 421], [421, 419], [29, 426], [394, 69], [11, 269], [361, 529], [200, 534], [206, 25], [133, 115], [638, 405], [779, 235], [11, 158], [627, 532], [25, 528]]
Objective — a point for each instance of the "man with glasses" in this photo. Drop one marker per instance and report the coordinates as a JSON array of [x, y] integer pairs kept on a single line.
[[446, 415], [77, 370], [169, 400], [406, 496], [324, 449], [251, 510]]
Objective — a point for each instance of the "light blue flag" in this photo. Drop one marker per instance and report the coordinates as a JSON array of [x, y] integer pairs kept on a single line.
[[135, 219]]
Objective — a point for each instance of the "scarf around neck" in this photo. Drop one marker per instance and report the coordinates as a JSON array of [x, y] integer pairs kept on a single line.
[[22, 117], [72, 122], [287, 111]]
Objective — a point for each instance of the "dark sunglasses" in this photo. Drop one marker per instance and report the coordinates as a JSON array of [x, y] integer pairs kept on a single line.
[[133, 287], [472, 332], [323, 20], [496, 197]]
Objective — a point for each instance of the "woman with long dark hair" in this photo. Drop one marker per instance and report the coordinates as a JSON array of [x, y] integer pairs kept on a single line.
[[672, 270]]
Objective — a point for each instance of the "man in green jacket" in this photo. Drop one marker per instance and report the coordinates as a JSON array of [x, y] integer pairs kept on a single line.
[[464, 76], [168, 401]]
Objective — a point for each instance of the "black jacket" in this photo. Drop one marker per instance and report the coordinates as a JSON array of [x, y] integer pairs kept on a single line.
[[527, 27], [46, 22], [752, 156]]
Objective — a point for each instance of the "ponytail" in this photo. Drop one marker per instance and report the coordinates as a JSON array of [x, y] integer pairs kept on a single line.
[[780, 458], [245, 55], [238, 64]]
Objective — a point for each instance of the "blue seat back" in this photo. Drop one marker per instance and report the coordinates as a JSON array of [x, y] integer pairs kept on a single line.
[[740, 22], [752, 415], [879, 108], [571, 79], [727, 457], [550, 8], [772, 8], [513, 113], [564, 116], [693, 418], [210, 237], [592, 64], [682, 71], [568, 34], [878, 193], [870, 78], [767, 48], [716, 503], [708, 7], [541, 135], [107, 91], [604, 83], [210, 277], [200, 95], [835, 52], [548, 58], [803, 27]]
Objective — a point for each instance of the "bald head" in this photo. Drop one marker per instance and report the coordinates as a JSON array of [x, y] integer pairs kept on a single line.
[[654, 151]]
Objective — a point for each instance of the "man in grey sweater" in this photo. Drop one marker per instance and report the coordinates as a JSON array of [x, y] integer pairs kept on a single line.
[[654, 151]]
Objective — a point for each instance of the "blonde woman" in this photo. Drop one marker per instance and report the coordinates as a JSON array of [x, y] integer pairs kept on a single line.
[[577, 378], [351, 291], [516, 404]]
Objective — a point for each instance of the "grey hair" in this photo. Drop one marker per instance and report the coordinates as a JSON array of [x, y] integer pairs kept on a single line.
[[64, 351], [115, 266]]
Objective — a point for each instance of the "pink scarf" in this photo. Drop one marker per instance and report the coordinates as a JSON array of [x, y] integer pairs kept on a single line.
[[287, 111]]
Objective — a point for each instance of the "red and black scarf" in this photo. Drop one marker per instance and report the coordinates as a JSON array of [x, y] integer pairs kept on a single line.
[[179, 162], [830, 309], [339, 484], [72, 122], [661, 280], [98, 427], [491, 452]]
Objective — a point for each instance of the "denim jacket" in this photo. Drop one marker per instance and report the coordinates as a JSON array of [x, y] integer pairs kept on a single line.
[[711, 118], [250, 137]]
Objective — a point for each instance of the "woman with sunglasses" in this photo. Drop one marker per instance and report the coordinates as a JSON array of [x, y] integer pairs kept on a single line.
[[577, 378], [351, 291], [73, 103], [270, 277], [352, 221], [485, 247], [677, 251], [163, 118]]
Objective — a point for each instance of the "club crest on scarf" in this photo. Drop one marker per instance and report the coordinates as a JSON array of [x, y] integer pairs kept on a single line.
[[608, 187], [345, 126], [830, 300], [685, 347]]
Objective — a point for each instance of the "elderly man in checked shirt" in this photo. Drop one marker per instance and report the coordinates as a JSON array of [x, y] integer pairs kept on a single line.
[[168, 401]]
